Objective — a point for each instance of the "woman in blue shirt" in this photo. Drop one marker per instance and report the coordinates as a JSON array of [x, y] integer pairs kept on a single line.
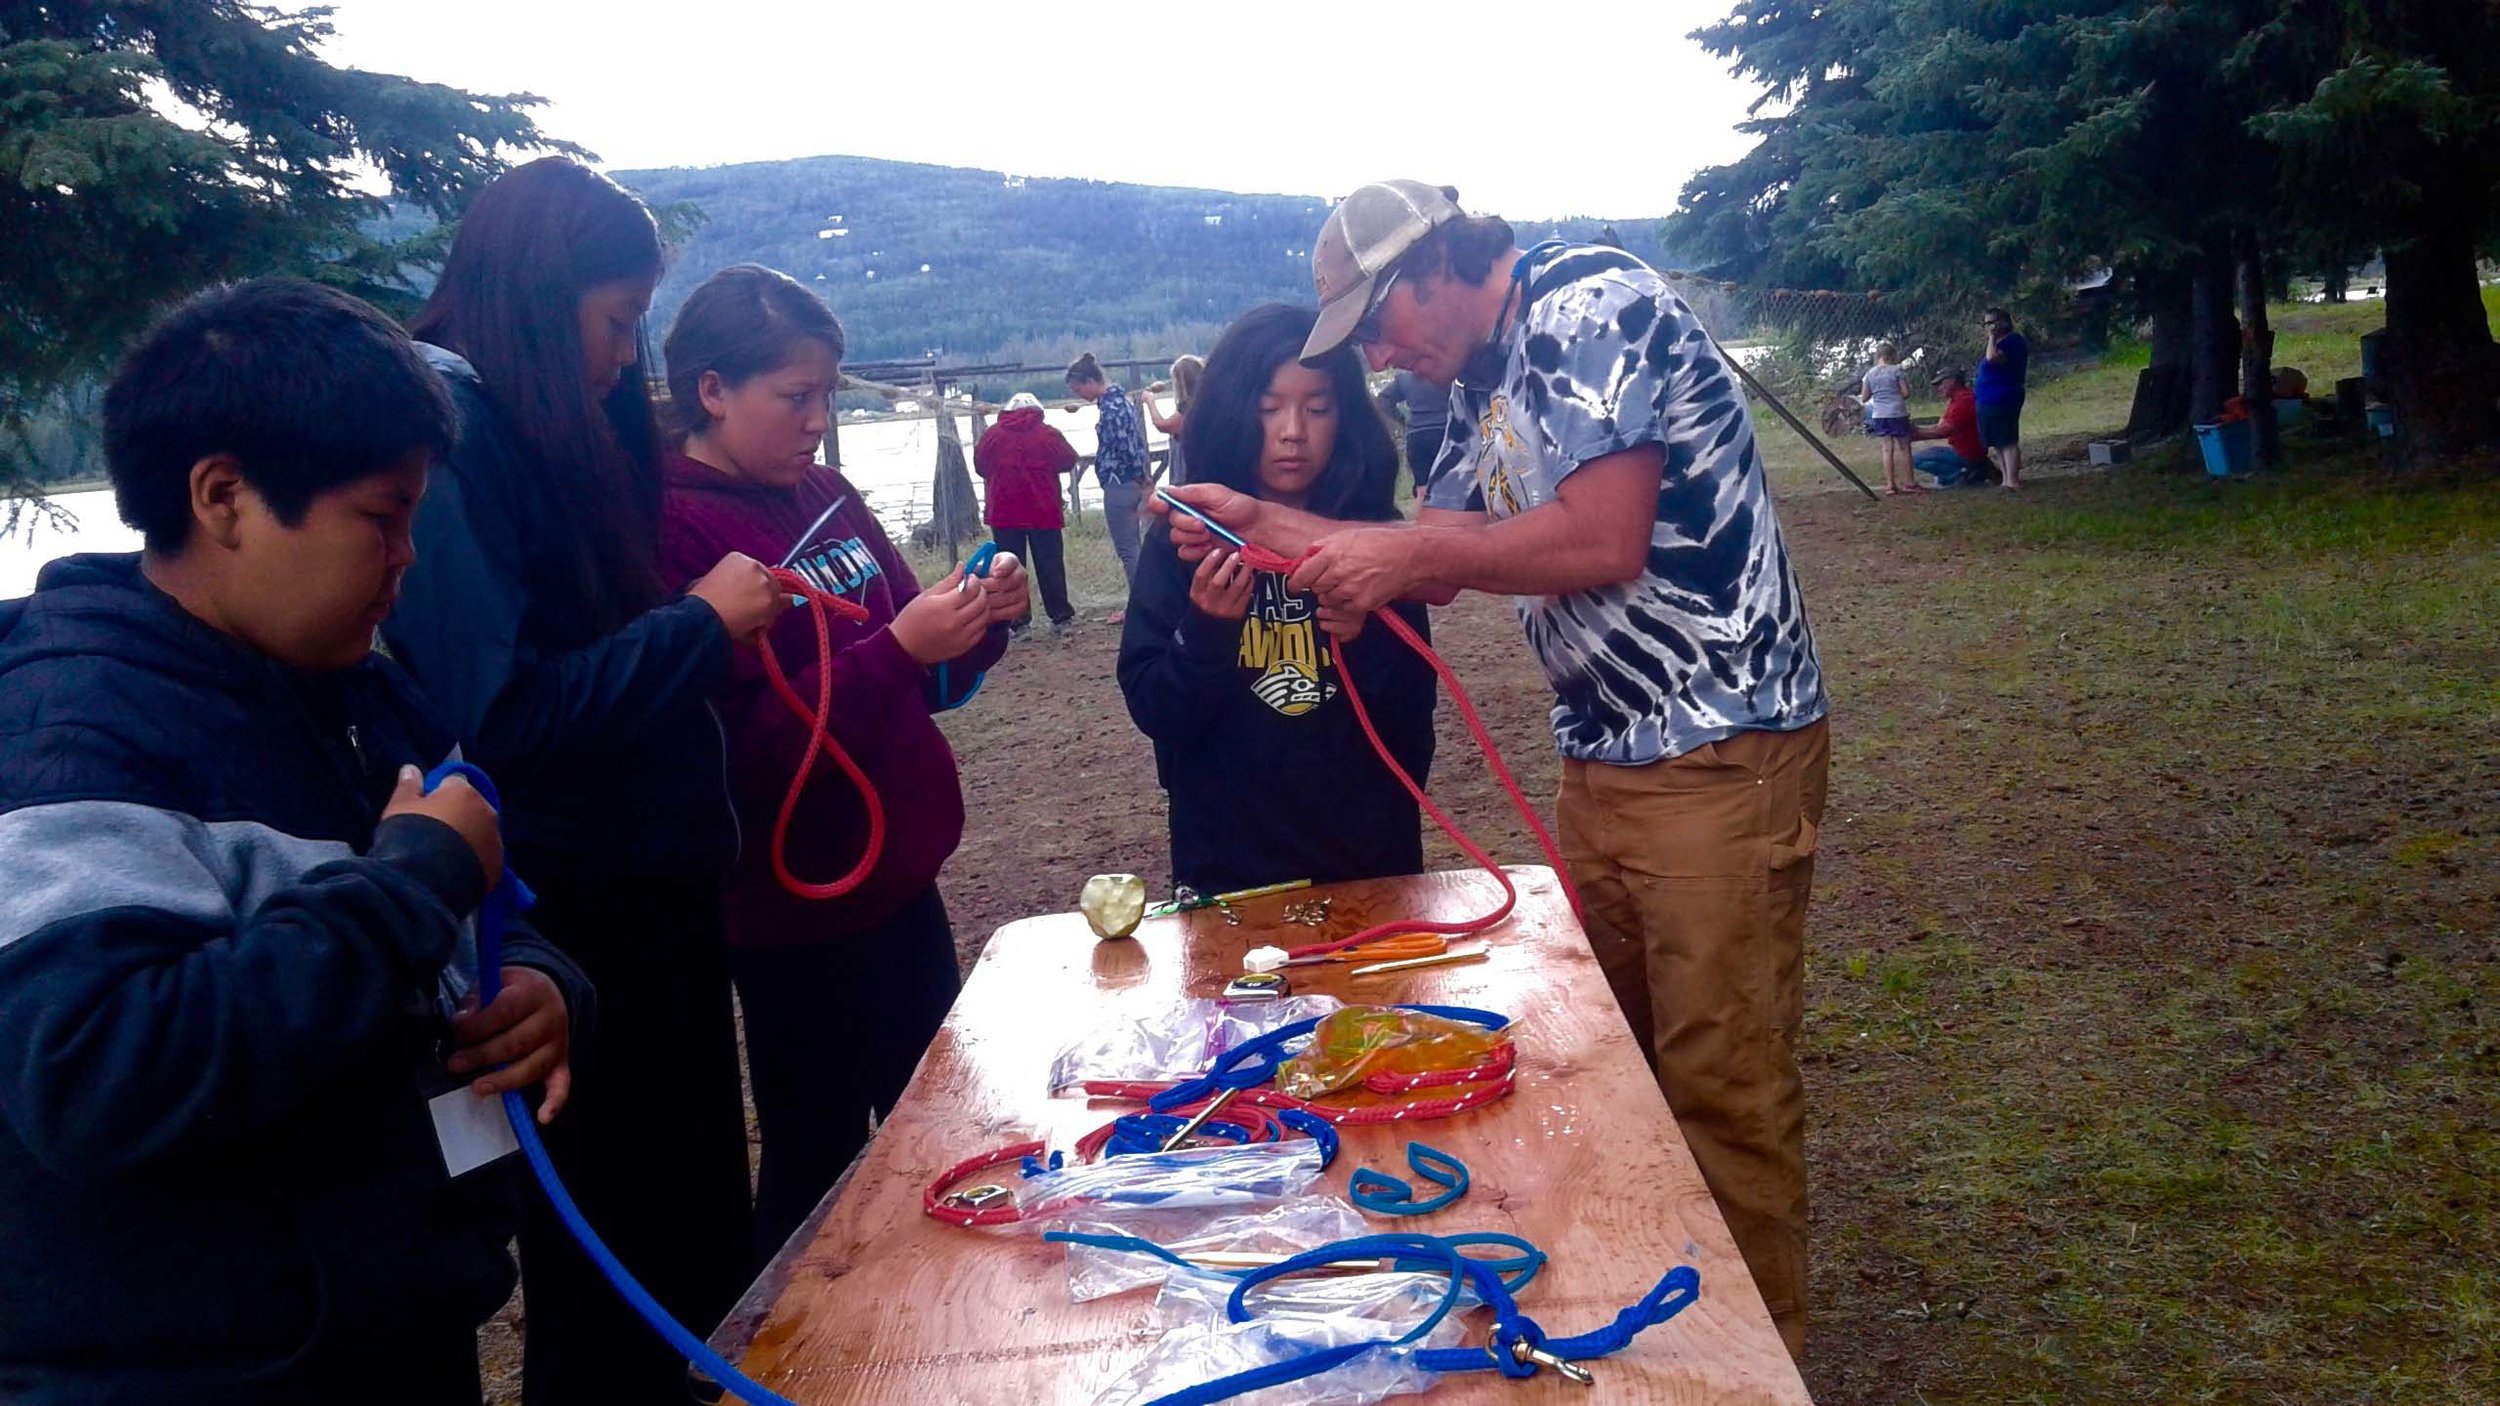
[[1119, 460]]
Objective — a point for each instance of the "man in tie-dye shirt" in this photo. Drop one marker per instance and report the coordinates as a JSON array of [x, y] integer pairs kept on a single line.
[[1600, 467]]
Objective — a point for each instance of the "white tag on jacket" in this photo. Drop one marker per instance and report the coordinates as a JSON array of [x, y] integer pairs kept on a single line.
[[472, 1130]]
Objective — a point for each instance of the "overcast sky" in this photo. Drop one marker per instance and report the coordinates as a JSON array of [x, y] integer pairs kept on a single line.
[[1596, 107]]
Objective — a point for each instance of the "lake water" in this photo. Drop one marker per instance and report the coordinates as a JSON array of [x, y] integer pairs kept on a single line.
[[893, 463]]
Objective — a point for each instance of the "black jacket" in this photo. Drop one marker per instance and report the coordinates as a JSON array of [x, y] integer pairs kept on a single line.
[[605, 749], [1269, 774], [223, 989]]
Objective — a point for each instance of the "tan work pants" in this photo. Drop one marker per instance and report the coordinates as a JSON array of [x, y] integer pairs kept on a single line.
[[1695, 873]]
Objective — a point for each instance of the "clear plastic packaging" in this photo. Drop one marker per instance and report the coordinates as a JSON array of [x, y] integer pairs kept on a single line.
[[1331, 1313], [1175, 1044], [1194, 1178], [1283, 1230], [1395, 1298]]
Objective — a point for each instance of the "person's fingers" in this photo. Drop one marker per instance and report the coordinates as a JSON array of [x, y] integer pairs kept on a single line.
[[538, 1027], [559, 1089], [528, 1068], [477, 1027]]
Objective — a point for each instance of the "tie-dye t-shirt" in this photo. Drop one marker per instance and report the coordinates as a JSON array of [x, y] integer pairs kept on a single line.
[[1712, 640]]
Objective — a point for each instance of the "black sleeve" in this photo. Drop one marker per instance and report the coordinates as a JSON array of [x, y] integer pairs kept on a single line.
[[458, 628], [132, 1029], [1399, 688], [1174, 660]]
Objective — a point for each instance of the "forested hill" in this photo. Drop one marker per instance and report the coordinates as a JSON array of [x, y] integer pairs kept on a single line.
[[979, 266]]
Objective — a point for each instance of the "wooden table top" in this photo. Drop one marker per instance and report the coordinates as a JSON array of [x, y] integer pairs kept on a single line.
[[874, 1302]]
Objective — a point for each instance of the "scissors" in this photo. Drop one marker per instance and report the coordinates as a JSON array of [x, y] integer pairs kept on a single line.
[[1393, 948]]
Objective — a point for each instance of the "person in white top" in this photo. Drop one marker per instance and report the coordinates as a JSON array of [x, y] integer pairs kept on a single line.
[[1885, 393]]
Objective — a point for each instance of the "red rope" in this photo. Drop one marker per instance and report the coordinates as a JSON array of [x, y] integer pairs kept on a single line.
[[821, 740], [1261, 559]]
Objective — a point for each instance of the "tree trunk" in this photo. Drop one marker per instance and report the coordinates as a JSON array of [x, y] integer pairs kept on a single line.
[[2168, 295], [2257, 352], [2441, 368], [2161, 389], [2214, 334]]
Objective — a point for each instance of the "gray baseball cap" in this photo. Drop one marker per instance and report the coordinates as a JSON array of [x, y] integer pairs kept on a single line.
[[1365, 234]]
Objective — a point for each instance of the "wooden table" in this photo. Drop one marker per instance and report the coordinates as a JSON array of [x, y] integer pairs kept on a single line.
[[874, 1302]]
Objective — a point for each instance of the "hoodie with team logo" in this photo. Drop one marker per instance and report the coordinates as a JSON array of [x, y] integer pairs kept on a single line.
[[883, 702], [1268, 770]]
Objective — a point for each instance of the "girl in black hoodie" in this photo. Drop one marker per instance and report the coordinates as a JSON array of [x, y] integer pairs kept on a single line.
[[1269, 773], [537, 619]]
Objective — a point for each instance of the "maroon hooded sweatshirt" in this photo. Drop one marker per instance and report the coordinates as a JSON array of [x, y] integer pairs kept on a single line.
[[1021, 459], [881, 706]]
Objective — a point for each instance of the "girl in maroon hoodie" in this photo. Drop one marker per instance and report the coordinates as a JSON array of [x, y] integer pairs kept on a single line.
[[841, 996], [1021, 460]]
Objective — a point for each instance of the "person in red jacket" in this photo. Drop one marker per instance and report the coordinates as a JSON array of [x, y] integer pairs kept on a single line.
[[1961, 460], [1021, 459], [840, 996]]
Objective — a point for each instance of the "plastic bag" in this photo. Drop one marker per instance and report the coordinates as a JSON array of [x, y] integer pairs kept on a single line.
[[1176, 1044], [1256, 1174], [1285, 1229], [1394, 1298], [1368, 1308], [1360, 1041]]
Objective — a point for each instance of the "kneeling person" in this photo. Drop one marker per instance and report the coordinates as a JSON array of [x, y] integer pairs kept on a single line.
[[1962, 459]]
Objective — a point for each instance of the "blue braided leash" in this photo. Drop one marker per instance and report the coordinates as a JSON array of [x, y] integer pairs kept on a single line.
[[1386, 1195], [1134, 1133], [975, 567], [1514, 1336], [508, 895]]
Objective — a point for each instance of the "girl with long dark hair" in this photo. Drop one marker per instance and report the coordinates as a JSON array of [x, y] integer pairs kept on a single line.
[[537, 618], [1230, 673], [840, 995]]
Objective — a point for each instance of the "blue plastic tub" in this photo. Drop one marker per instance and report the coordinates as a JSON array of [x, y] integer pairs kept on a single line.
[[2229, 449]]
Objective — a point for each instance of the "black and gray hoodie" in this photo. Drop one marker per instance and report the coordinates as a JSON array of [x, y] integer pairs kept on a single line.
[[223, 993]]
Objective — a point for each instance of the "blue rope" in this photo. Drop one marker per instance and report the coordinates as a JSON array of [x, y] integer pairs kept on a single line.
[[1234, 1069], [1672, 1295], [1516, 1271], [975, 566], [1385, 1195], [508, 894]]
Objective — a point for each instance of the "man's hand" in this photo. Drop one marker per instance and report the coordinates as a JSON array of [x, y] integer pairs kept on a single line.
[[457, 804], [528, 1033], [1359, 570], [943, 622], [1239, 512], [1007, 590], [1338, 625], [1221, 587]]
